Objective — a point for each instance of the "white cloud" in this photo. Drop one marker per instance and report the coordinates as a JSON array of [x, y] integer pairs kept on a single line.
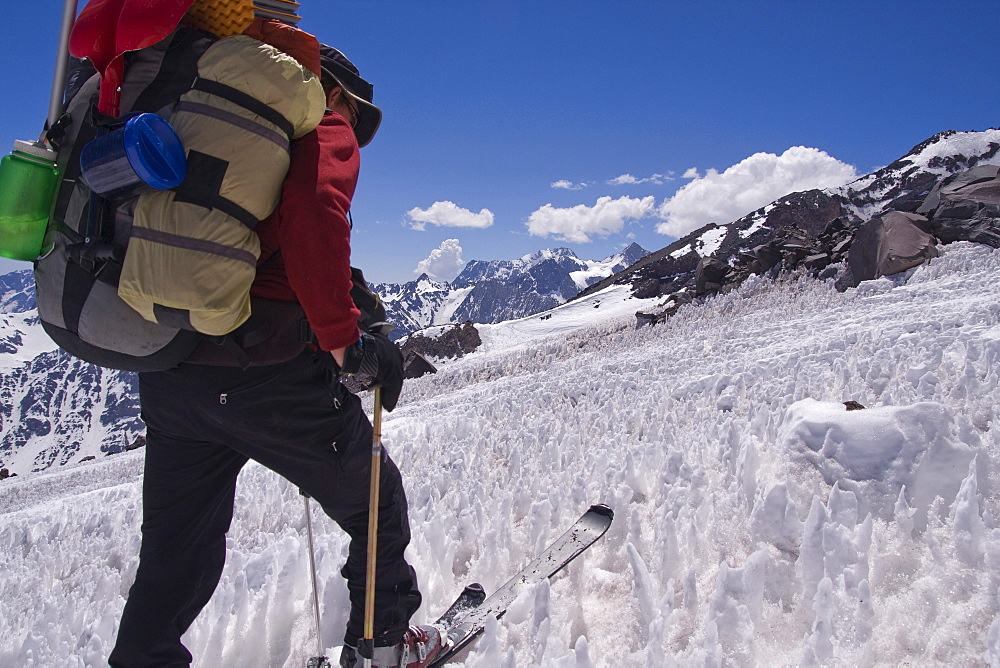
[[628, 179], [568, 185], [444, 263], [750, 184], [577, 224], [448, 214], [691, 173]]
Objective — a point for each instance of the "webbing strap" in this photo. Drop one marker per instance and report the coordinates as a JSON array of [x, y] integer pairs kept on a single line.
[[254, 331], [177, 318], [246, 101], [227, 342], [203, 185], [191, 243], [223, 204], [235, 120], [251, 333], [76, 288]]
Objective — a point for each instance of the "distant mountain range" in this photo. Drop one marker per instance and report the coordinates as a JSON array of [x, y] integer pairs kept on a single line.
[[497, 290], [57, 410]]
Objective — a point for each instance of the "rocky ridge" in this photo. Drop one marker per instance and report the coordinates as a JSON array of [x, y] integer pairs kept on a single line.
[[814, 231]]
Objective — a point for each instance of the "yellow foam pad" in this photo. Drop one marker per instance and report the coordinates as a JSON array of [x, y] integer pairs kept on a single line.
[[222, 18]]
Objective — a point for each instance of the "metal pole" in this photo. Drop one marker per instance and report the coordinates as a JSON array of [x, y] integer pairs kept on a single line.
[[62, 57], [320, 649], [368, 642]]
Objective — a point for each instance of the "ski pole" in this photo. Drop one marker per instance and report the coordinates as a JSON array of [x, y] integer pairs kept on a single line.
[[367, 645], [62, 57], [320, 660]]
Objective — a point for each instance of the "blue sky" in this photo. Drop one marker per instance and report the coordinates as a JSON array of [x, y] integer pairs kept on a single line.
[[515, 126]]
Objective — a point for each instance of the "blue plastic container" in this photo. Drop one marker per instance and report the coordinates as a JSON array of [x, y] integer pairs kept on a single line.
[[144, 152]]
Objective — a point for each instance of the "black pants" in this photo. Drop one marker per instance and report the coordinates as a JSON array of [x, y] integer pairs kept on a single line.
[[203, 424]]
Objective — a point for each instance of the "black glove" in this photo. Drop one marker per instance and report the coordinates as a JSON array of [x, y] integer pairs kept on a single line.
[[374, 361]]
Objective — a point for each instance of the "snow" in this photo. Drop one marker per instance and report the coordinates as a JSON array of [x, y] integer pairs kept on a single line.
[[711, 240], [30, 342], [585, 277], [446, 312], [536, 258], [880, 452], [595, 271], [426, 284], [758, 521], [759, 221], [682, 251], [614, 301], [961, 143]]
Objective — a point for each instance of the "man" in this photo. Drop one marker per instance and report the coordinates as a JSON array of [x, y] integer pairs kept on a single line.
[[205, 419]]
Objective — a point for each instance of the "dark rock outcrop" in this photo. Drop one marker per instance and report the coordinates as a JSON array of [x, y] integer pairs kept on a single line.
[[139, 442], [661, 276], [416, 365], [453, 341], [886, 245], [710, 274], [966, 207]]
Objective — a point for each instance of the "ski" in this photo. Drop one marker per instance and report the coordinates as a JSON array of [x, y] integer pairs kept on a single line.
[[471, 597], [465, 627]]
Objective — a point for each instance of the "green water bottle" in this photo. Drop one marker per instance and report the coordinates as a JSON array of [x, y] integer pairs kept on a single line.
[[28, 181]]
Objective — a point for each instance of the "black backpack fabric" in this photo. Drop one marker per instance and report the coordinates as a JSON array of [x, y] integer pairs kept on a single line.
[[77, 280]]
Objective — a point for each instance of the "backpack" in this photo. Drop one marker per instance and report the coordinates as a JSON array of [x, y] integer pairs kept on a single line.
[[139, 281]]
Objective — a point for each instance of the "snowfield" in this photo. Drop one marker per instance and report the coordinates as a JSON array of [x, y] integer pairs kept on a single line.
[[758, 521]]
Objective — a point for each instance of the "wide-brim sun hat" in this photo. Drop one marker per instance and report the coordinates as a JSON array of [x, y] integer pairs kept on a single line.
[[336, 65]]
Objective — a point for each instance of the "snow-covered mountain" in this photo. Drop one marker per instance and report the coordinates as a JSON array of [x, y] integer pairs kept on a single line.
[[498, 290], [758, 521], [55, 409], [795, 228]]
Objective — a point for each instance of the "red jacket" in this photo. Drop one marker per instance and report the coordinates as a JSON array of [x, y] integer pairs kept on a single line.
[[311, 230]]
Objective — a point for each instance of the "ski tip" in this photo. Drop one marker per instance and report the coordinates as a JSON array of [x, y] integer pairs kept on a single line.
[[319, 662], [602, 509]]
